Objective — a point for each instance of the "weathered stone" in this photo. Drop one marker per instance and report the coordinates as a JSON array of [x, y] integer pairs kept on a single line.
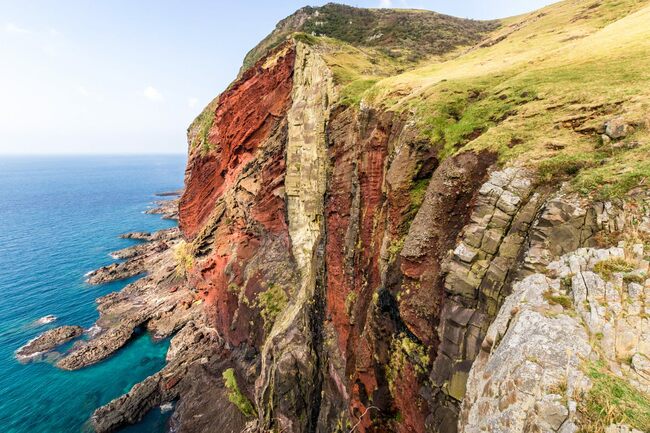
[[47, 341], [621, 428], [464, 253], [617, 128], [491, 241]]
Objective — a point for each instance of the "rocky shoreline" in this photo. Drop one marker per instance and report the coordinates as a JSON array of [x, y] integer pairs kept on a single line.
[[48, 341], [160, 302]]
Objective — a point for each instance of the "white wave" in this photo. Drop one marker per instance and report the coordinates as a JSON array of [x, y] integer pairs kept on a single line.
[[166, 407], [93, 330], [45, 320]]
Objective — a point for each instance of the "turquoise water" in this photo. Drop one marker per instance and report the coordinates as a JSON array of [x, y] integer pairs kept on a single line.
[[60, 218]]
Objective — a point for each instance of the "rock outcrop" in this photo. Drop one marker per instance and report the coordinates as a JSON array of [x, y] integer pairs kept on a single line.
[[532, 368], [48, 341]]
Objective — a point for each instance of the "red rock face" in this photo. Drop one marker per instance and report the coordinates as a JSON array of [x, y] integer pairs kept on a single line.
[[234, 199], [370, 203], [375, 293], [362, 209], [445, 211], [243, 119]]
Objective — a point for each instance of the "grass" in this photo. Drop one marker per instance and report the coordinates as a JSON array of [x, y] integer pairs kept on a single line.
[[199, 130], [563, 300], [612, 400], [634, 278], [455, 113], [352, 93], [183, 253], [235, 396], [607, 268], [563, 166], [271, 302]]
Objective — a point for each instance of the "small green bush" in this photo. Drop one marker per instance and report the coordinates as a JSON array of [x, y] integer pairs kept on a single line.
[[184, 258]]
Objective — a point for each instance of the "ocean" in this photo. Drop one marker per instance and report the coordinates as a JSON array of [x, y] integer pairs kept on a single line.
[[60, 218]]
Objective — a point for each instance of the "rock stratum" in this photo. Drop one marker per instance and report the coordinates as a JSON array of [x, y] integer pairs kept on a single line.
[[414, 223]]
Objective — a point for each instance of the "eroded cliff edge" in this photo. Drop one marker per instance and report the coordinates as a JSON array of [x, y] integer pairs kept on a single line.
[[349, 259]]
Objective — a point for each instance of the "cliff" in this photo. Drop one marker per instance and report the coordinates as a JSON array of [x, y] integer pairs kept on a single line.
[[396, 220]]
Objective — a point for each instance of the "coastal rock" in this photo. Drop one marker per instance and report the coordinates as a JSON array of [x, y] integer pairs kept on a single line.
[[188, 365], [169, 193], [139, 250], [47, 341], [166, 234], [116, 271], [96, 349], [160, 302], [138, 258], [167, 208]]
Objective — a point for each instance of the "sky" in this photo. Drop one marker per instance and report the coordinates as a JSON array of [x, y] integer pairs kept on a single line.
[[128, 76]]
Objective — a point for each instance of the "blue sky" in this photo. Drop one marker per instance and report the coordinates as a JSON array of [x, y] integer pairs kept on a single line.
[[127, 76]]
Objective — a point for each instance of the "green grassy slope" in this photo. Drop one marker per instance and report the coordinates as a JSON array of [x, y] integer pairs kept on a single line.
[[538, 91], [404, 35]]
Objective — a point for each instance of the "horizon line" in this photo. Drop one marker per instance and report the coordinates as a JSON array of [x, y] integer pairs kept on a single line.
[[97, 154]]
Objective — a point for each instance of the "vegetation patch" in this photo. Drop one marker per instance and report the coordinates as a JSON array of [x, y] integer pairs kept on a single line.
[[561, 167], [417, 193], [235, 396], [634, 278], [563, 300], [203, 124], [411, 35], [395, 248], [350, 301], [403, 350], [352, 93], [607, 268], [455, 113], [183, 253], [612, 400], [271, 302]]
